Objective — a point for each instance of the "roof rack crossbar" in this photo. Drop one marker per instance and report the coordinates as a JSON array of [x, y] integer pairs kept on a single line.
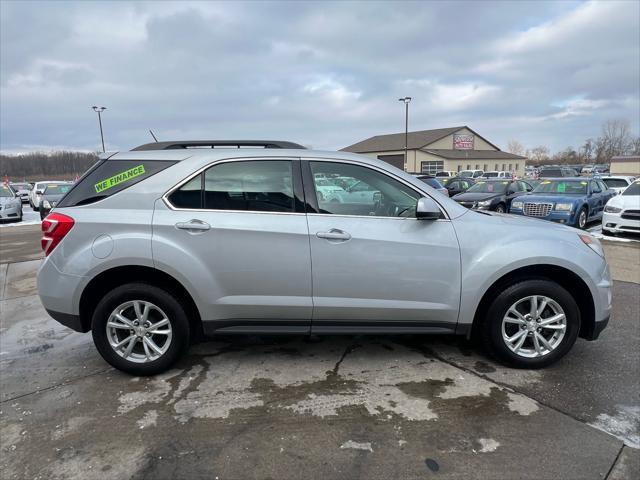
[[183, 144]]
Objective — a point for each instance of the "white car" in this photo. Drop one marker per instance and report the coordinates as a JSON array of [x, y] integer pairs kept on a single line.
[[471, 173], [622, 212], [447, 173], [36, 193], [497, 174], [618, 183]]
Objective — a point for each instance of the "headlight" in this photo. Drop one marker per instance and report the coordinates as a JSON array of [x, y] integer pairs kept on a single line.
[[517, 205], [485, 203], [612, 209], [592, 243], [563, 207], [46, 204]]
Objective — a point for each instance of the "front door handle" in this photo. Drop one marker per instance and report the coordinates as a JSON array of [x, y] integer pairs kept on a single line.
[[334, 234], [193, 226]]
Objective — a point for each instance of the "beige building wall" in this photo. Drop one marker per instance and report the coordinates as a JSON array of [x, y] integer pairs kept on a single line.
[[625, 168], [446, 143]]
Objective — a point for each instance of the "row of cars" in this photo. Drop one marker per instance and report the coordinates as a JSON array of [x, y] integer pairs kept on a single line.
[[41, 196], [573, 201]]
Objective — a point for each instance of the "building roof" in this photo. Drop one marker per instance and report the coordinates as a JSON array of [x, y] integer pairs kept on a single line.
[[626, 158], [395, 141], [474, 154]]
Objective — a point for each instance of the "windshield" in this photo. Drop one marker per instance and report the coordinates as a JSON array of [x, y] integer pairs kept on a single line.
[[432, 182], [489, 187], [466, 173], [6, 191], [568, 187], [633, 189], [615, 182], [54, 189], [21, 186], [491, 174]]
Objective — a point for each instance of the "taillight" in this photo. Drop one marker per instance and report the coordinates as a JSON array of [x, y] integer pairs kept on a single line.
[[54, 228]]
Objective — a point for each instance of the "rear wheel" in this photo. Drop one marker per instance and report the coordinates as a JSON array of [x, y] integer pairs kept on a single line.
[[531, 324], [140, 329]]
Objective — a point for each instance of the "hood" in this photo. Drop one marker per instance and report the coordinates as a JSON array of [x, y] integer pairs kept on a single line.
[[475, 196], [4, 200], [625, 201], [522, 221], [548, 198]]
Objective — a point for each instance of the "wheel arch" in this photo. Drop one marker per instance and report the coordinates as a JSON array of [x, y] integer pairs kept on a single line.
[[554, 273], [108, 279]]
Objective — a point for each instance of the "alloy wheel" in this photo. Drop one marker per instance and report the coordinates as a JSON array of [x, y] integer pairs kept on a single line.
[[139, 331], [534, 326]]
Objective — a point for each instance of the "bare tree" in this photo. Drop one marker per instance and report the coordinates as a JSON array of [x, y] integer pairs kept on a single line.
[[615, 140], [539, 154], [515, 147], [585, 153], [40, 165]]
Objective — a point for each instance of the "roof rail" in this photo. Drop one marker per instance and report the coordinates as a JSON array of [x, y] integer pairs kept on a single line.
[[179, 144]]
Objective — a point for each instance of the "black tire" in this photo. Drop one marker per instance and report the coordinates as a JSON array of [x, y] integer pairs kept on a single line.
[[491, 331], [583, 214], [159, 297], [500, 208]]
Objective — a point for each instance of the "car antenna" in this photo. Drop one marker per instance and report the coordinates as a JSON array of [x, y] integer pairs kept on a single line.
[[154, 137]]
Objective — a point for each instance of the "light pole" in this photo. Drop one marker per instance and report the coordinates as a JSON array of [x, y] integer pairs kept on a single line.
[[99, 110], [406, 101]]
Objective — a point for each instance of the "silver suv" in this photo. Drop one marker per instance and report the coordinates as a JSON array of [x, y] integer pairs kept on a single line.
[[158, 247]]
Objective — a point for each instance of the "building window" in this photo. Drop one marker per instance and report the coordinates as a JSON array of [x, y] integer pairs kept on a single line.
[[511, 167], [468, 167], [459, 167], [504, 166], [517, 167], [477, 166], [432, 167], [496, 167], [486, 167]]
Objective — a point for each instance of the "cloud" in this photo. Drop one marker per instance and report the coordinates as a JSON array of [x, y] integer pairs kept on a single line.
[[325, 74]]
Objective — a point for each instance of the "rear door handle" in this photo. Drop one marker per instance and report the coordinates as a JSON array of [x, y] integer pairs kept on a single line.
[[334, 234], [193, 226]]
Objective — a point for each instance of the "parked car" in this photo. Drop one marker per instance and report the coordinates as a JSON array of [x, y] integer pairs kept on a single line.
[[618, 183], [158, 246], [51, 195], [36, 193], [10, 204], [493, 195], [622, 212], [586, 170], [456, 185], [471, 173], [555, 172], [572, 201], [496, 174], [22, 190], [446, 173], [534, 182], [600, 170], [434, 183]]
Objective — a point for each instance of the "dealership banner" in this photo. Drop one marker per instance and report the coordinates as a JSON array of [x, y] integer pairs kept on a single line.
[[462, 142]]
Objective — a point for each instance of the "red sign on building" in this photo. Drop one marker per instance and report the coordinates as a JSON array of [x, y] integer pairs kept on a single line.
[[462, 142]]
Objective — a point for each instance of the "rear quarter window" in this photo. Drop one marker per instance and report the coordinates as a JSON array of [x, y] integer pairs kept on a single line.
[[109, 177]]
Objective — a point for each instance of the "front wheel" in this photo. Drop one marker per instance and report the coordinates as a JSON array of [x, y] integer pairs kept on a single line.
[[581, 221], [500, 208], [140, 329], [531, 324]]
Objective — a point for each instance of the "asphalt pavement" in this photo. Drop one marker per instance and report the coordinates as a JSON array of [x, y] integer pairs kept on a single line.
[[335, 407]]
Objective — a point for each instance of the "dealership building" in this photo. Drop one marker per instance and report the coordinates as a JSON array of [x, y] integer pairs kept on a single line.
[[430, 151]]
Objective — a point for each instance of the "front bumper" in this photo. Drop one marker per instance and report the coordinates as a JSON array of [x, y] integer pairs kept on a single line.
[[564, 217], [11, 213], [613, 222]]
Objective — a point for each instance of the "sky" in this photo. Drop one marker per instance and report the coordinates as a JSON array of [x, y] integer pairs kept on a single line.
[[325, 75]]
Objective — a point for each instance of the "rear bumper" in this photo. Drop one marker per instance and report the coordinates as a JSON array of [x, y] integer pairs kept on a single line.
[[68, 320]]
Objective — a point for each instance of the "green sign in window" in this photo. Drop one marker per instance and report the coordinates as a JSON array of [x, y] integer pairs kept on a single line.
[[119, 178]]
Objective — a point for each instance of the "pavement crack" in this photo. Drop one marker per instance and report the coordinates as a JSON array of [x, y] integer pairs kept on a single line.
[[615, 461], [350, 348], [57, 385]]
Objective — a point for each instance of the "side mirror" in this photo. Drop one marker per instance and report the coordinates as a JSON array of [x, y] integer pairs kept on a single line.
[[427, 209], [38, 192]]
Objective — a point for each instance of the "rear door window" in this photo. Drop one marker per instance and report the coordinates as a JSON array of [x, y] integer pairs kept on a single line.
[[109, 177]]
